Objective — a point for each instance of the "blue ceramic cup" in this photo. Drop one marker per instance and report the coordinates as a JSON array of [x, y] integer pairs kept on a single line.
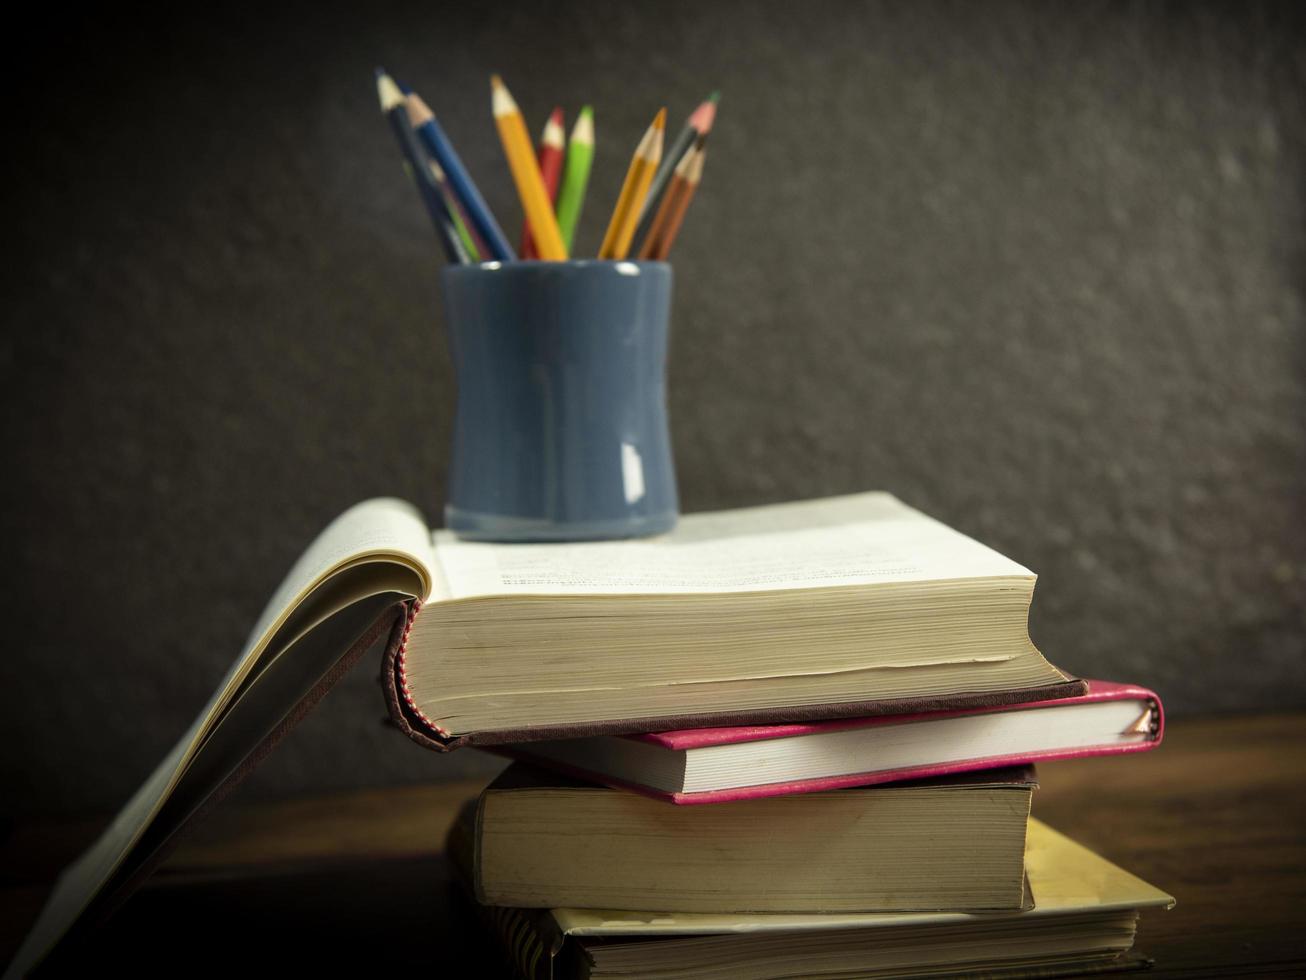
[[561, 426]]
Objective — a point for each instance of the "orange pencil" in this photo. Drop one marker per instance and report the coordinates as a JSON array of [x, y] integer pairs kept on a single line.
[[666, 225], [621, 229], [550, 160], [526, 173]]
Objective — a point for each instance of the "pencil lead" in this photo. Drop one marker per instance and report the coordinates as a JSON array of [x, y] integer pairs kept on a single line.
[[501, 101], [715, 97], [554, 134], [583, 130], [660, 120], [703, 117], [388, 92]]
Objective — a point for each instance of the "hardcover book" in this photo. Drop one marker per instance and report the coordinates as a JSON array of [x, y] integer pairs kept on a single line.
[[716, 765], [534, 840], [1083, 920]]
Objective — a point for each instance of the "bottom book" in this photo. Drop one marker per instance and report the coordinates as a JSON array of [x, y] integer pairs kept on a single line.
[[1084, 918]]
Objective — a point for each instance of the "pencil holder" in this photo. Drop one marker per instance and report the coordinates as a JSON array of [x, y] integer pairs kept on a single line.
[[561, 425]]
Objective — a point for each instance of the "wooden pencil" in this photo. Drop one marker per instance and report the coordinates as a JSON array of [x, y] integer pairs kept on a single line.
[[526, 173], [575, 175], [549, 158], [697, 126], [671, 213], [621, 229]]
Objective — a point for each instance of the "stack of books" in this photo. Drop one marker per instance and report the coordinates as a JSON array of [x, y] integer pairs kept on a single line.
[[792, 740], [893, 842]]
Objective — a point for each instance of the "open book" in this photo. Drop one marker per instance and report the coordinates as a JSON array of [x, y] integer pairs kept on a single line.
[[840, 607]]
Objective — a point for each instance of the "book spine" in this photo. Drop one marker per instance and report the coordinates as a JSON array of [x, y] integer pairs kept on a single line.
[[525, 939], [404, 713], [401, 666]]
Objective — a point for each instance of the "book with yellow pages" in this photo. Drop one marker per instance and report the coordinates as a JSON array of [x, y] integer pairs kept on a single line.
[[534, 839], [1084, 919]]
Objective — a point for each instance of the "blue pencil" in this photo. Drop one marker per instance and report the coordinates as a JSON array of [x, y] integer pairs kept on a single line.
[[392, 104], [474, 206]]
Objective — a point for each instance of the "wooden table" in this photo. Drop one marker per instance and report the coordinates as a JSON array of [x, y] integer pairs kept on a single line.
[[1216, 816]]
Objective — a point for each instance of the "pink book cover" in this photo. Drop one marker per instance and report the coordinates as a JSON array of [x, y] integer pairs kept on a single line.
[[694, 738]]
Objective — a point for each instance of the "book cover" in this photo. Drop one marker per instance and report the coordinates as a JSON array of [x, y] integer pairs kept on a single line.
[[1149, 734]]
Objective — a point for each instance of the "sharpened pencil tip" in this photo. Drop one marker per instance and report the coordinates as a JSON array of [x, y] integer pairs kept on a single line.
[[715, 97], [501, 100], [388, 92], [583, 131], [702, 117], [660, 120], [378, 71], [418, 111], [554, 135]]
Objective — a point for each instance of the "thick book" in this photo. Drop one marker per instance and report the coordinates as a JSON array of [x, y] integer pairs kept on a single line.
[[717, 765], [536, 840], [837, 607], [1083, 920], [830, 608]]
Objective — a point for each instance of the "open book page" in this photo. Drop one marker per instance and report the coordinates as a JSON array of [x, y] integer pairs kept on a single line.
[[379, 547], [838, 541], [379, 529]]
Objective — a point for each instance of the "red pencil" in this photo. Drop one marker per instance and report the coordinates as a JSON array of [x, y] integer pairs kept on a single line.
[[550, 157]]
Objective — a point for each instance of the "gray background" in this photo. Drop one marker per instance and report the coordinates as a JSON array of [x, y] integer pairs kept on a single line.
[[1036, 268]]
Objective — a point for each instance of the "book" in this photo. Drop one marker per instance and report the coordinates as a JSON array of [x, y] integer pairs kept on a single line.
[[1084, 918], [839, 607], [536, 840], [716, 765]]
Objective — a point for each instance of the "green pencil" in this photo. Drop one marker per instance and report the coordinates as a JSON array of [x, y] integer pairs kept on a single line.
[[455, 212], [575, 175]]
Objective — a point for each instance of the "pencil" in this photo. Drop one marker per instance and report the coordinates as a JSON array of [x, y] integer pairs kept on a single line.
[[616, 241], [575, 175], [475, 247], [666, 224], [460, 181], [550, 161], [526, 173], [698, 125], [415, 162]]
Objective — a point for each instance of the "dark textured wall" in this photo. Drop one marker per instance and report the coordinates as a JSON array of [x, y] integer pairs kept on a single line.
[[1036, 268]]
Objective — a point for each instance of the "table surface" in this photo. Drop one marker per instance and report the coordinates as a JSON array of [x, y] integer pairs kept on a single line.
[[1216, 816]]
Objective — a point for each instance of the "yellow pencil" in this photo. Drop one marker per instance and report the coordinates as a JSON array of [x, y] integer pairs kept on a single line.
[[625, 216], [526, 173]]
